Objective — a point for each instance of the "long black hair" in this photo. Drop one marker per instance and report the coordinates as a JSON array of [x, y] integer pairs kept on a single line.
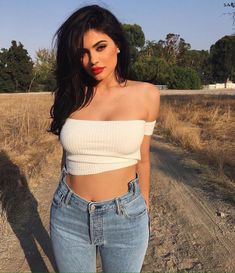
[[74, 86]]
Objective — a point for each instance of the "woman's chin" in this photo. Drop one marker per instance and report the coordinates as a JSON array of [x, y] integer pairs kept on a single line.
[[98, 77]]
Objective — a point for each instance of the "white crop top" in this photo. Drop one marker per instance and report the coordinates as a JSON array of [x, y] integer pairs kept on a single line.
[[95, 146]]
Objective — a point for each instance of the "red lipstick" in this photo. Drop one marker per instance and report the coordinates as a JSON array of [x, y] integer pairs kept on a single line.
[[97, 70]]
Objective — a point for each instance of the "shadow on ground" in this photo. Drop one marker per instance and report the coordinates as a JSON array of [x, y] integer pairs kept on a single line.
[[20, 208]]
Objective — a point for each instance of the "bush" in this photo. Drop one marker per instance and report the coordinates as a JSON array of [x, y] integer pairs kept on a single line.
[[183, 78]]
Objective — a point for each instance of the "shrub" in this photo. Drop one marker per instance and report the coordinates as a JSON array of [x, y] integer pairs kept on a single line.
[[183, 78]]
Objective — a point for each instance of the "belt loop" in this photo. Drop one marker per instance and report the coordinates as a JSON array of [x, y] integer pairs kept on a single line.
[[62, 173], [117, 205], [67, 197], [64, 170]]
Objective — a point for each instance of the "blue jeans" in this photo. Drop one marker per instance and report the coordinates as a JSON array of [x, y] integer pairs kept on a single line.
[[119, 228]]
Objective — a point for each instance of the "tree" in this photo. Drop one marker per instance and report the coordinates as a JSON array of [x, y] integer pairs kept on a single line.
[[6, 83], [183, 78], [200, 62], [174, 48], [15, 69], [136, 39], [222, 58], [151, 69], [144, 69], [152, 48], [43, 70]]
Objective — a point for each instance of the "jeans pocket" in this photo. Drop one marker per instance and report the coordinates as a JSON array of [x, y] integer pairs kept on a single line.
[[135, 208], [58, 198]]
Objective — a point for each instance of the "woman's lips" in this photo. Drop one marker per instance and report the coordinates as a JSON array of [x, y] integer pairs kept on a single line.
[[97, 70]]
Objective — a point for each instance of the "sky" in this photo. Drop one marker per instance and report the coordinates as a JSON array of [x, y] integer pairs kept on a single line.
[[199, 22]]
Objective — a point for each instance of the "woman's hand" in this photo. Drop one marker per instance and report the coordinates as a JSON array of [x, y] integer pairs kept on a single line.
[[147, 204]]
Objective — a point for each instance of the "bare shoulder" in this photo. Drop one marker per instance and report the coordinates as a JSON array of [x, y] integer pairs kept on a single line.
[[136, 88], [132, 83], [151, 96], [148, 95], [145, 88], [152, 92]]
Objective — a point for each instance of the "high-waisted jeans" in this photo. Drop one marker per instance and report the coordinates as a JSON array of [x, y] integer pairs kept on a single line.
[[119, 228]]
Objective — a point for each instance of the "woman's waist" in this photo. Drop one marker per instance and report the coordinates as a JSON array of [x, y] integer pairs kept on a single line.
[[83, 169], [102, 186]]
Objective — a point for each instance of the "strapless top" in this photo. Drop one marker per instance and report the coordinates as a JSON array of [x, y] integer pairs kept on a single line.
[[95, 146]]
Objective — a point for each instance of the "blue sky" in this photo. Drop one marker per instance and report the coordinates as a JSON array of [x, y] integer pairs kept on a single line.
[[200, 22]]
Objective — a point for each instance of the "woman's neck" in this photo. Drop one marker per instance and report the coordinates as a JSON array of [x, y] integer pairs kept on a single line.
[[106, 85]]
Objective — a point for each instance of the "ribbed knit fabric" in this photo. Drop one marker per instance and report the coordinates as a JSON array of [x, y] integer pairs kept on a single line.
[[95, 146]]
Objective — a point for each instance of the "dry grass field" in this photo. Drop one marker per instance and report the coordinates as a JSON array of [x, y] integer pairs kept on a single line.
[[24, 140], [202, 124]]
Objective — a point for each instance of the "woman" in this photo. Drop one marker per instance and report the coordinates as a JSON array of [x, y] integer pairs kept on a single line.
[[104, 122]]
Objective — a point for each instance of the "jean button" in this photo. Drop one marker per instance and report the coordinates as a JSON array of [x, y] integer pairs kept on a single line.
[[92, 207]]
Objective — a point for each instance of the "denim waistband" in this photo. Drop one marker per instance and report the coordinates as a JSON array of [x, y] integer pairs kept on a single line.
[[133, 192]]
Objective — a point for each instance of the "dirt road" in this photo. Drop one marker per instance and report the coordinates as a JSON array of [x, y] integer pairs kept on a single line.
[[192, 219]]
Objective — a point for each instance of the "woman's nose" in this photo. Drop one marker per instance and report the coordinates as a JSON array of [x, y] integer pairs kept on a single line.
[[93, 58]]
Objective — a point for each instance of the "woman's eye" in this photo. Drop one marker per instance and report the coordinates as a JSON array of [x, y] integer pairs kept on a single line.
[[101, 47]]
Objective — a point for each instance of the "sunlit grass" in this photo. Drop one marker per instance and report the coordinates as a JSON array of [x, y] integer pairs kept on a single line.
[[204, 125], [24, 121]]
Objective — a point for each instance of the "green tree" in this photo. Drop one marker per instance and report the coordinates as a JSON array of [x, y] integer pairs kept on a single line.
[[15, 69], [222, 58], [183, 78], [144, 69], [150, 69], [6, 83], [174, 48], [199, 60], [43, 70], [136, 39], [152, 48]]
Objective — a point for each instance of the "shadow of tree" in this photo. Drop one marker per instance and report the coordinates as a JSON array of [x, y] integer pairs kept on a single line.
[[21, 210]]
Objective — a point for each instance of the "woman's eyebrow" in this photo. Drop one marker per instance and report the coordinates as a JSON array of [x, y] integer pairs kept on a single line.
[[98, 43]]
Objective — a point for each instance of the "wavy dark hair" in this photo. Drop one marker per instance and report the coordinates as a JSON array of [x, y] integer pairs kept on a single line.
[[74, 86]]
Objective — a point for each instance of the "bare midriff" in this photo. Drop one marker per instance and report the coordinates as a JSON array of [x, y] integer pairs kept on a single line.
[[102, 186]]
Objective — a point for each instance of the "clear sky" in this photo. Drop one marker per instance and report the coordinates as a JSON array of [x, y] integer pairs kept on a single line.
[[199, 22]]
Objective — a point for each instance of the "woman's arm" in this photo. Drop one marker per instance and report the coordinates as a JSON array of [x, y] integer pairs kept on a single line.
[[143, 166]]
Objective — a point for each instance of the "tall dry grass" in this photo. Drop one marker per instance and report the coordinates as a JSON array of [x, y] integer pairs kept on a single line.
[[24, 139], [27, 156], [202, 124]]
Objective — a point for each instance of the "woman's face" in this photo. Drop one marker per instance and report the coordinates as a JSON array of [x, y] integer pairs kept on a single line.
[[103, 54]]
